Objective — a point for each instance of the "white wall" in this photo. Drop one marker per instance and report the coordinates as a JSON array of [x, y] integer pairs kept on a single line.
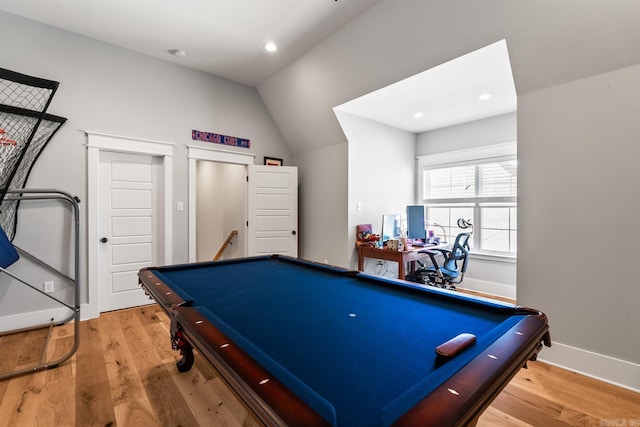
[[110, 90], [496, 277], [479, 133], [578, 208], [17, 301], [323, 204], [381, 177]]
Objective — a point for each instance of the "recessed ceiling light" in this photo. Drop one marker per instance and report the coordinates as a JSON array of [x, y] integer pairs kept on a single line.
[[270, 47], [177, 53], [484, 96], [417, 115]]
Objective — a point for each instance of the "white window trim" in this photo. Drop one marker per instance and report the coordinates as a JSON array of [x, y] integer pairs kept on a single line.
[[468, 154], [488, 256], [457, 157]]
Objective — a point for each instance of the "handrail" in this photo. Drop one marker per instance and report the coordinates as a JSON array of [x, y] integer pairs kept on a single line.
[[225, 244]]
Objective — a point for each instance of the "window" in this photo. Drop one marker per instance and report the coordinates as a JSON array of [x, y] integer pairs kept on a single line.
[[478, 185]]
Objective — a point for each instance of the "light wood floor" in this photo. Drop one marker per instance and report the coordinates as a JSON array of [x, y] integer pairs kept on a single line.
[[124, 375]]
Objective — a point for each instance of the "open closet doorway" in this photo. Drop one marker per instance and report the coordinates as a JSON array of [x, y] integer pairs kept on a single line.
[[267, 222], [211, 194], [221, 208]]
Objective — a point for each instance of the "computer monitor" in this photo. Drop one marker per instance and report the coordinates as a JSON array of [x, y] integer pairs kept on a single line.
[[415, 223], [391, 226]]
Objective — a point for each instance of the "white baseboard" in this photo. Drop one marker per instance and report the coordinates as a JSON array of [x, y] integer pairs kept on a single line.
[[43, 317], [598, 366], [89, 311], [35, 318], [489, 288]]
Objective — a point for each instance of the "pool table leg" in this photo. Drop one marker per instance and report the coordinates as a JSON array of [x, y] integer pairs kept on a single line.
[[178, 342], [186, 362]]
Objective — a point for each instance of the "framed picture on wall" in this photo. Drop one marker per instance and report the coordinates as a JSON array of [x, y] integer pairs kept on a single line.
[[272, 161]]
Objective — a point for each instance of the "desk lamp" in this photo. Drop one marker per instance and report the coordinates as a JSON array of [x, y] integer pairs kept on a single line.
[[465, 223], [444, 232]]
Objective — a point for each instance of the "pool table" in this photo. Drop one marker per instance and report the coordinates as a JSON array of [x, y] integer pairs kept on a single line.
[[304, 343]]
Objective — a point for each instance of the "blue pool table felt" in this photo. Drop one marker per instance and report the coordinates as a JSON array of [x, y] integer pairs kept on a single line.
[[359, 351]]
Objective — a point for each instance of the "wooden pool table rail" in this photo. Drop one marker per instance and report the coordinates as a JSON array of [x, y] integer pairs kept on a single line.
[[459, 398]]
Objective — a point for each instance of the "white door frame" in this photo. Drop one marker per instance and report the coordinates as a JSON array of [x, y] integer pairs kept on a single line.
[[213, 155], [97, 142]]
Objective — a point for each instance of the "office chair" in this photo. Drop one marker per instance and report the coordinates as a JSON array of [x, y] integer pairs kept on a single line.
[[452, 270]]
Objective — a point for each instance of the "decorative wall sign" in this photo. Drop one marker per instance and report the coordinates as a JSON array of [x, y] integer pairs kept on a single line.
[[198, 135]]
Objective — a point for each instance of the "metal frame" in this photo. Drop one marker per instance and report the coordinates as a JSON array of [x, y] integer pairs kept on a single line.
[[73, 201]]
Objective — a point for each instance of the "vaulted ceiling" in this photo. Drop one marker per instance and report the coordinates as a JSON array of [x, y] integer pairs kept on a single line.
[[221, 37], [549, 43], [331, 52]]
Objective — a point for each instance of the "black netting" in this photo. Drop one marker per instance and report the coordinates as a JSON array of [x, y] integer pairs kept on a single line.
[[24, 96], [49, 125], [24, 131]]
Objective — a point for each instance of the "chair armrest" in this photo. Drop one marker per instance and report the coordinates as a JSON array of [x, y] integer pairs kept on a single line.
[[432, 254]]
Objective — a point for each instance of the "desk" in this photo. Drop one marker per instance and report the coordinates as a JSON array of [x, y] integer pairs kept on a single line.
[[401, 257], [308, 344]]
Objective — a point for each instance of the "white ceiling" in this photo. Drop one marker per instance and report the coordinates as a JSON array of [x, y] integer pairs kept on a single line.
[[222, 37], [226, 38], [445, 95]]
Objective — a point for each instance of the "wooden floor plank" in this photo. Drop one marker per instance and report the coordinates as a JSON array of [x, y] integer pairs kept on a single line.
[[12, 347], [534, 409], [169, 405], [231, 401], [93, 398], [205, 402], [493, 417], [59, 347], [32, 349], [57, 405], [591, 398], [130, 400], [154, 325], [20, 403]]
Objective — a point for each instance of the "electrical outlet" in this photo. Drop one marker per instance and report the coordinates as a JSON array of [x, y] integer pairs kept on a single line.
[[48, 286]]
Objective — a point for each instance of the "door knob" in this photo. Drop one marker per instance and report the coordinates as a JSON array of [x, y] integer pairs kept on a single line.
[[293, 232], [104, 240]]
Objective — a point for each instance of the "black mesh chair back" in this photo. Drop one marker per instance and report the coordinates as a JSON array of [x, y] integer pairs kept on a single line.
[[459, 254]]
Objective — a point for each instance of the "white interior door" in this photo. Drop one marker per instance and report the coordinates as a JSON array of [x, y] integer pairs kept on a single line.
[[128, 226], [272, 207]]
